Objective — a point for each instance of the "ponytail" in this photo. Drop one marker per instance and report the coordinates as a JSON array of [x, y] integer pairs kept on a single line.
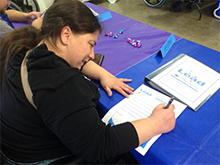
[[24, 38]]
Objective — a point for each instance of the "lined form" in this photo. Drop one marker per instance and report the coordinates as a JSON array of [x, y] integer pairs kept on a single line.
[[137, 106]]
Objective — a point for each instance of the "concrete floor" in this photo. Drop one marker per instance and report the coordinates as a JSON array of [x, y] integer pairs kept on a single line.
[[184, 23]]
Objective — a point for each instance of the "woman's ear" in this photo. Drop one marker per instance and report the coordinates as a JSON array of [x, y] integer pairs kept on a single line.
[[65, 35]]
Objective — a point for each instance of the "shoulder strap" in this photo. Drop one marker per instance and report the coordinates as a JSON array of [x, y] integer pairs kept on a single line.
[[24, 80]]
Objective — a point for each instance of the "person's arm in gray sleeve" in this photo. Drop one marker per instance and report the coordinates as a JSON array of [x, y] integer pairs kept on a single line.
[[4, 28]]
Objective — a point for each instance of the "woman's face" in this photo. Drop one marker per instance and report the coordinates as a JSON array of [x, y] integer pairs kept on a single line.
[[81, 49], [4, 5]]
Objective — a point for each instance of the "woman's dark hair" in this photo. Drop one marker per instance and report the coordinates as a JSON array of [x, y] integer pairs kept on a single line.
[[24, 38], [72, 13]]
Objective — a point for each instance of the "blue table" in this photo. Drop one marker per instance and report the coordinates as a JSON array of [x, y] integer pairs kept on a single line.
[[196, 137]]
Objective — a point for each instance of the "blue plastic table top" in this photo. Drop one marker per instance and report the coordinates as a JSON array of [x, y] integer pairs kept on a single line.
[[195, 139]]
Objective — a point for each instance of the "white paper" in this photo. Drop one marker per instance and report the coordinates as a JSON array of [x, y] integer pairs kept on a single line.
[[94, 12], [189, 80], [137, 106]]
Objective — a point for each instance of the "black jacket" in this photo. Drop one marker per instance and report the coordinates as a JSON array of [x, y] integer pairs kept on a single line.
[[66, 120]]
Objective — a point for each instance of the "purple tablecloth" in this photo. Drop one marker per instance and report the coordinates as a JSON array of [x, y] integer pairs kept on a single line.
[[19, 25], [119, 55]]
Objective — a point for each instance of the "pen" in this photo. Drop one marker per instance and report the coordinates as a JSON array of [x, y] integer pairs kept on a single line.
[[170, 101]]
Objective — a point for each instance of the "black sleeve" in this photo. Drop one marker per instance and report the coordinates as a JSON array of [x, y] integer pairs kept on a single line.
[[73, 117]]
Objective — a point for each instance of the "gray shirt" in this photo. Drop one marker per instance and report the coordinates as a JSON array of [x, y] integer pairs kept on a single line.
[[4, 27]]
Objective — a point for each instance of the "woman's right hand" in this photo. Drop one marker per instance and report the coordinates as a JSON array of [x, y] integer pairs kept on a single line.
[[164, 119], [161, 121]]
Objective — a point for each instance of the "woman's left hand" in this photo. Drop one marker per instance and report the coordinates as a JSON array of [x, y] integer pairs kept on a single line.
[[110, 82]]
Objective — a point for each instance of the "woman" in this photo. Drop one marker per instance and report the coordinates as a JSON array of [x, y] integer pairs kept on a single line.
[[66, 120]]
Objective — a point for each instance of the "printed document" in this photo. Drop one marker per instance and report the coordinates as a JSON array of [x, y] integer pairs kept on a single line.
[[137, 106], [188, 80]]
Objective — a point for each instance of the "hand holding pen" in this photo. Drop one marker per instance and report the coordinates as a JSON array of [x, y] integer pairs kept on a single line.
[[164, 117]]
